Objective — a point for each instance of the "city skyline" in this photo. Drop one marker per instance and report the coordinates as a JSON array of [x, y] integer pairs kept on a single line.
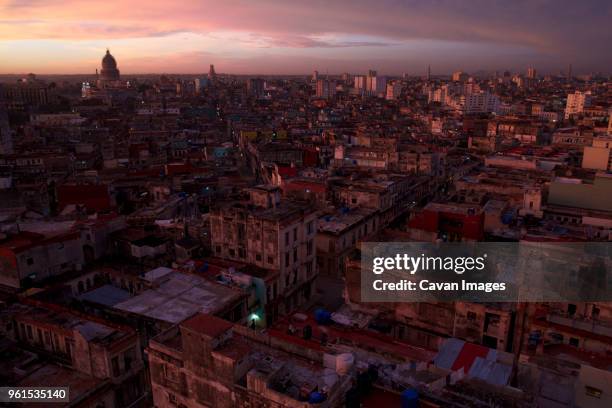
[[272, 38]]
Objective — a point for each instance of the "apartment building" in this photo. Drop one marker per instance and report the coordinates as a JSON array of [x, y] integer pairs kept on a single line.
[[272, 234]]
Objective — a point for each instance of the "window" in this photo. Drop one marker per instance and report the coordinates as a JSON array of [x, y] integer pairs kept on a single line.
[[115, 365], [286, 258], [310, 227], [308, 269], [295, 234], [471, 316], [287, 238], [30, 261], [258, 257], [309, 247], [295, 255], [30, 335], [270, 260], [68, 346], [592, 391], [574, 342], [128, 357]]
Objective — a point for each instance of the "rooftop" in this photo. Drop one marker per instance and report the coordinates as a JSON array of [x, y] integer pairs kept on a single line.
[[178, 296], [208, 325]]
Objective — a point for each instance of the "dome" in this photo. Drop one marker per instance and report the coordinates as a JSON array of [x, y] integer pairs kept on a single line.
[[109, 68], [108, 62]]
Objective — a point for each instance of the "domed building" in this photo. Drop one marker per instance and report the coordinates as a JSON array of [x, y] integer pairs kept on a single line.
[[109, 72], [108, 85]]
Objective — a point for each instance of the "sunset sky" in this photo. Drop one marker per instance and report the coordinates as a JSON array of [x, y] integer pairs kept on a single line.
[[295, 37]]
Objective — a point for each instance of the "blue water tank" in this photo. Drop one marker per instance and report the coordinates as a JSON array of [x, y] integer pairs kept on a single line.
[[507, 218], [316, 398], [322, 316], [410, 398]]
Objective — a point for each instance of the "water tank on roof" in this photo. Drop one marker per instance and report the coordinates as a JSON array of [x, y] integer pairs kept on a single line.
[[410, 398], [507, 218], [322, 316], [316, 398]]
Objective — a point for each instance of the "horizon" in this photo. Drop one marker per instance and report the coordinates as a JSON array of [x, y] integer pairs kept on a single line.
[[272, 38], [475, 73]]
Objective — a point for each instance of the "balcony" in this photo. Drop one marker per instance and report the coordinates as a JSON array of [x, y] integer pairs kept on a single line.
[[591, 325]]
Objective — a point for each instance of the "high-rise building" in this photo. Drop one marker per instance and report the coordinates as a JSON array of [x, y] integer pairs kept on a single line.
[[211, 72], [394, 89], [360, 82], [200, 84], [478, 102], [531, 73], [576, 103], [325, 88], [255, 87], [370, 81], [460, 76], [315, 75], [379, 85]]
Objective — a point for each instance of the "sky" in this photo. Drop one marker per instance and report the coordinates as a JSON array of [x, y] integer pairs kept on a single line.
[[297, 37]]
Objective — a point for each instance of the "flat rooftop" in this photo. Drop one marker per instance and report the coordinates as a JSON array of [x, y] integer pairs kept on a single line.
[[343, 220], [178, 297]]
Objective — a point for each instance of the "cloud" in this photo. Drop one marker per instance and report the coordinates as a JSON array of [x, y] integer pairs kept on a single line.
[[290, 41], [559, 30]]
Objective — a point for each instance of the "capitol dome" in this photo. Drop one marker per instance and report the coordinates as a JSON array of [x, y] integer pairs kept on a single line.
[[109, 68]]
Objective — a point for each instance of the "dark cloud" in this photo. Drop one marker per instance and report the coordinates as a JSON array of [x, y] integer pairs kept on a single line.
[[548, 33]]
